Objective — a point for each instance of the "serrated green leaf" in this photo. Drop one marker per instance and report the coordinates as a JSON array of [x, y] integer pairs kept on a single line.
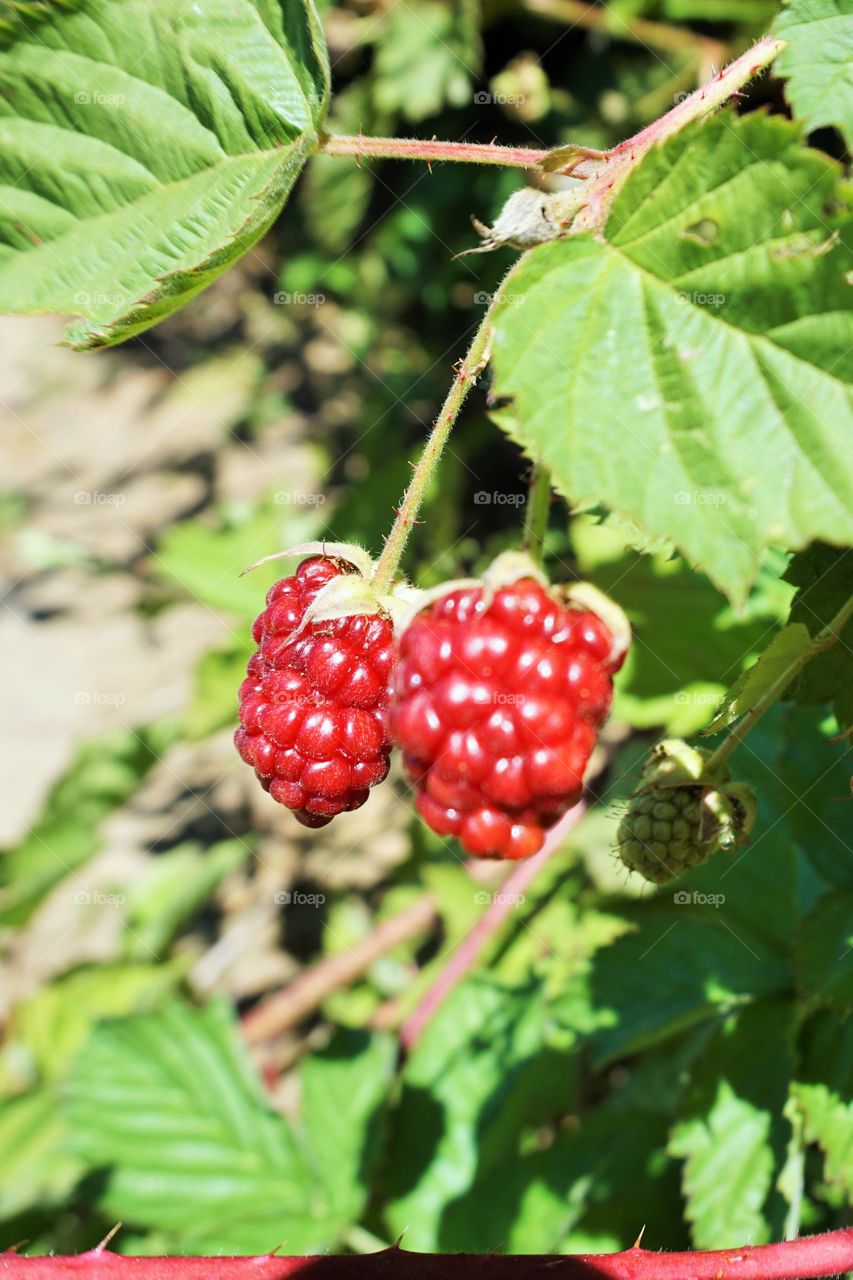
[[144, 148], [342, 1089], [731, 1134], [824, 580], [786, 648], [481, 1071], [689, 372], [167, 1106], [818, 61], [683, 963], [823, 1092]]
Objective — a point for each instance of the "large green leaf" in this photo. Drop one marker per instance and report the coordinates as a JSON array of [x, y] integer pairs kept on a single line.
[[144, 147], [168, 1107], [688, 370], [481, 1072], [731, 1133], [818, 61]]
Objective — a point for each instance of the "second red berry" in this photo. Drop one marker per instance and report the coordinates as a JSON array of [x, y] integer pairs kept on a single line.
[[497, 704]]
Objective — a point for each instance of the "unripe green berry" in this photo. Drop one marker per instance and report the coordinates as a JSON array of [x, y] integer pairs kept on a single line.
[[683, 812]]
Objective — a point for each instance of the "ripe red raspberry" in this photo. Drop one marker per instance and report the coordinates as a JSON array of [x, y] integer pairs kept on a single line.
[[497, 701], [312, 707]]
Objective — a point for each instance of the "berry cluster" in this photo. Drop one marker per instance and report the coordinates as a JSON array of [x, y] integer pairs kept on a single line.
[[498, 698], [312, 707]]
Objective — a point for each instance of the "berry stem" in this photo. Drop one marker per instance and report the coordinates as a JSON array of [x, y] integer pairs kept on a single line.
[[822, 641], [811, 1256], [536, 512], [432, 150], [502, 905], [467, 372]]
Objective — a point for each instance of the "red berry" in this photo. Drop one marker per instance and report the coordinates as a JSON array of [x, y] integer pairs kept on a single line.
[[312, 708], [497, 702]]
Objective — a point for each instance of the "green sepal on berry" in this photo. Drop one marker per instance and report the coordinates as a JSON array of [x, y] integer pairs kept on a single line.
[[683, 812]]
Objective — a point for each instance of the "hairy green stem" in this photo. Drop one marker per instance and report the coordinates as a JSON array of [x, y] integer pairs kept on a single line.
[[363, 148], [611, 174], [467, 372], [822, 641], [536, 512]]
